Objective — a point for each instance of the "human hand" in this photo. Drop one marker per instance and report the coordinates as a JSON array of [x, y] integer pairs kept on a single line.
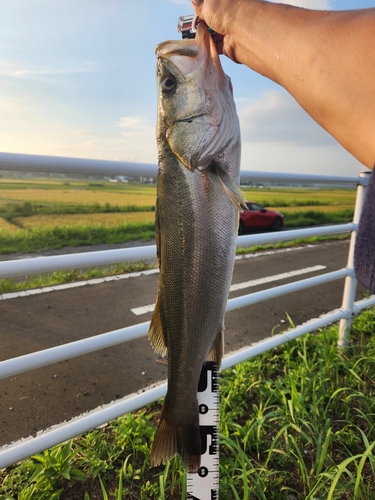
[[214, 13]]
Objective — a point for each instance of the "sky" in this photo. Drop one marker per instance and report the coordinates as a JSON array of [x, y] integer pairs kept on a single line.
[[77, 79]]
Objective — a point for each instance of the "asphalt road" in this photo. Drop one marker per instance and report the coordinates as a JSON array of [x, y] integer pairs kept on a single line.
[[38, 399]]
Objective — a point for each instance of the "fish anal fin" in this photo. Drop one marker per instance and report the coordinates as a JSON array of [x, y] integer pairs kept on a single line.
[[183, 440], [156, 333], [217, 350]]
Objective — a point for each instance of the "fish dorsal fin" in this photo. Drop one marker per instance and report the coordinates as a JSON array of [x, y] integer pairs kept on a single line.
[[217, 350], [233, 192], [156, 333]]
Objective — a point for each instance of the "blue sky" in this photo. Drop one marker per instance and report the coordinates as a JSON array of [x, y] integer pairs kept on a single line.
[[77, 78]]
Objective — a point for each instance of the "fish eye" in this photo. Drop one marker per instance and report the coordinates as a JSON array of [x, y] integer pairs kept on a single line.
[[168, 85]]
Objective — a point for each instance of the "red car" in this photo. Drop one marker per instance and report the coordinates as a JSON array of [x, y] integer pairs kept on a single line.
[[258, 217]]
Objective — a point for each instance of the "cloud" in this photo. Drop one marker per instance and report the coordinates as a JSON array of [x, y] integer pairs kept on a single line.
[[84, 133], [18, 70], [307, 4], [133, 122], [277, 118], [138, 140], [279, 136], [331, 160], [27, 132]]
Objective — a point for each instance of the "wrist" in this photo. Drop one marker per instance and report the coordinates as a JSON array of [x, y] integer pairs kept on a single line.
[[238, 27]]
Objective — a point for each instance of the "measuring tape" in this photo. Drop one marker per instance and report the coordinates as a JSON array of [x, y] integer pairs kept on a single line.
[[204, 485]]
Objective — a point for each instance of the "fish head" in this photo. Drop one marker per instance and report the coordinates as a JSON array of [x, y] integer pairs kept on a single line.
[[196, 110]]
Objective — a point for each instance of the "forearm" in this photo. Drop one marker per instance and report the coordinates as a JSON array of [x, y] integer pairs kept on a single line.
[[326, 60]]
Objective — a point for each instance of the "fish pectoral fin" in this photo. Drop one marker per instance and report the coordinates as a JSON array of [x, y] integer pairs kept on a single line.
[[156, 333], [233, 192], [183, 440], [217, 349]]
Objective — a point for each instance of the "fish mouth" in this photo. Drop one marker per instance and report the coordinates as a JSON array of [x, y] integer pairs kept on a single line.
[[198, 53], [189, 119]]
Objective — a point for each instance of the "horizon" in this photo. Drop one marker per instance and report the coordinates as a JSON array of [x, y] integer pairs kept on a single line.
[[78, 80]]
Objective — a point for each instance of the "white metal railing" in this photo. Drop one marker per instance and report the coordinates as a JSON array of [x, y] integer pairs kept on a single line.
[[8, 161]]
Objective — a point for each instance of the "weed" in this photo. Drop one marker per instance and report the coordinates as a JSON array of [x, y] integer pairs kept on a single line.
[[44, 238], [314, 217], [60, 277], [296, 422]]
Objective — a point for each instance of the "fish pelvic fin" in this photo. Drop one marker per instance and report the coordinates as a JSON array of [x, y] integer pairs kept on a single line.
[[156, 333], [171, 440], [234, 193], [217, 350]]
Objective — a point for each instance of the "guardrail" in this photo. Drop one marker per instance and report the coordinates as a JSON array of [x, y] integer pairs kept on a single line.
[[13, 453]]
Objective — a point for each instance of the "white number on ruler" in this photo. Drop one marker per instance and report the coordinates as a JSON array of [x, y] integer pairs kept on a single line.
[[204, 485]]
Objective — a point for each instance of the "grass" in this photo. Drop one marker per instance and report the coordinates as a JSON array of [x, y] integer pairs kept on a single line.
[[317, 217], [297, 423], [33, 281], [82, 220], [306, 208], [58, 277], [36, 215], [33, 225], [287, 244], [39, 233], [45, 238], [287, 197], [84, 196], [6, 227], [11, 212]]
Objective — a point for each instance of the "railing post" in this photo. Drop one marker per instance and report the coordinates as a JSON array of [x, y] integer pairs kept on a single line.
[[350, 286]]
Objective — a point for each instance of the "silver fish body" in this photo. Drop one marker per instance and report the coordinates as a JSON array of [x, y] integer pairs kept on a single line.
[[196, 229]]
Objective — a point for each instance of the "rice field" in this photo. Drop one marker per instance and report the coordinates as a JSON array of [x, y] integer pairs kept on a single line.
[[6, 226], [82, 196], [36, 214], [301, 197], [73, 220], [86, 193]]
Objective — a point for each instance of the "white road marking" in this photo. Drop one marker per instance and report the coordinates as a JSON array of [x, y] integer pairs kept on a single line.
[[94, 281], [275, 277], [138, 311], [271, 252]]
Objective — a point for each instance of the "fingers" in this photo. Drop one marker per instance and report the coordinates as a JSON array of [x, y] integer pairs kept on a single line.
[[196, 3], [197, 6]]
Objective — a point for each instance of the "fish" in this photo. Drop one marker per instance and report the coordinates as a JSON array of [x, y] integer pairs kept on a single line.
[[196, 225]]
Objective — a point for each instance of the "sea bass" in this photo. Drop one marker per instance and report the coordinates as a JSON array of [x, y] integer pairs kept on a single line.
[[197, 206]]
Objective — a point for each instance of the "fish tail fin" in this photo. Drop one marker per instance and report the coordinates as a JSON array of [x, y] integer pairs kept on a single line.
[[183, 440]]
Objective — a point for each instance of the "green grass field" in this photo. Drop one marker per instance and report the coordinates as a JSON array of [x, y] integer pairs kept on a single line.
[[83, 220], [36, 215], [300, 197]]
